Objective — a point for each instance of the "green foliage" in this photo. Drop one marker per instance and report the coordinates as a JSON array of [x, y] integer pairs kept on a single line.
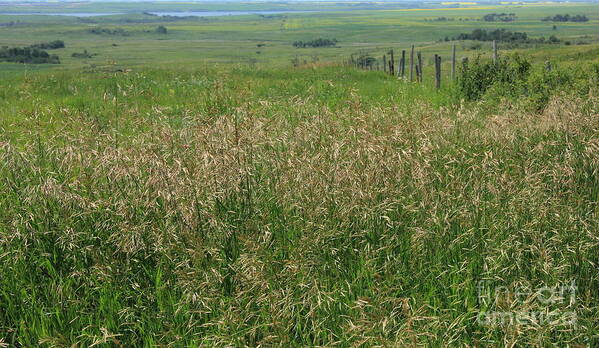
[[316, 43], [503, 35], [480, 75], [513, 77], [499, 17], [566, 18], [27, 55], [84, 54], [161, 29], [52, 45], [500, 35], [364, 61], [543, 84], [441, 19], [108, 31]]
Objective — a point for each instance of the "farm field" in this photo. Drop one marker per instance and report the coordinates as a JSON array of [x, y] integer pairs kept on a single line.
[[182, 189]]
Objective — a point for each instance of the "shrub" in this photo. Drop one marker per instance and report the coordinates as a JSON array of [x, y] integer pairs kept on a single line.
[[161, 30], [542, 84], [566, 18], [27, 55], [513, 77], [499, 17], [365, 61], [498, 35], [316, 43], [503, 35], [105, 31], [83, 54], [52, 45], [479, 76]]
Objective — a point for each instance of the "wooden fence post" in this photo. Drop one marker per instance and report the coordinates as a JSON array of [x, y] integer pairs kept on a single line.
[[384, 63], [494, 51], [453, 63], [412, 63], [437, 71], [420, 67], [392, 64], [403, 63]]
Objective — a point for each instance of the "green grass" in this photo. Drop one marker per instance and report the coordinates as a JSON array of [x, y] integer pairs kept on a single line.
[[286, 207], [188, 203]]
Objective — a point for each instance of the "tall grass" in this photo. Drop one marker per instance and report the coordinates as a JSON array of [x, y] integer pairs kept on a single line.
[[315, 207]]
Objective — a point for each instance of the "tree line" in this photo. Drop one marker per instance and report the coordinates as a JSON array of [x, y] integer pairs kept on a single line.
[[29, 55], [566, 18], [107, 31], [499, 17], [52, 45], [316, 43], [502, 35]]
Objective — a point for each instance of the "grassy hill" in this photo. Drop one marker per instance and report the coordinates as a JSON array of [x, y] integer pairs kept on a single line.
[[158, 200]]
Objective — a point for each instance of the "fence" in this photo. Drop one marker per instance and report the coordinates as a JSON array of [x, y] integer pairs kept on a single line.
[[416, 65]]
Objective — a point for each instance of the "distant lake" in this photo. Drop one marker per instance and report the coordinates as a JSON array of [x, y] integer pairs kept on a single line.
[[69, 14], [221, 13], [174, 14]]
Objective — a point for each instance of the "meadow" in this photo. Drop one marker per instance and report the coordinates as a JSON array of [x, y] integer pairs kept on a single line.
[[178, 191]]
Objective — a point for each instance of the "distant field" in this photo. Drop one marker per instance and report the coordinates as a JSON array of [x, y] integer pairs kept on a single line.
[[235, 39]]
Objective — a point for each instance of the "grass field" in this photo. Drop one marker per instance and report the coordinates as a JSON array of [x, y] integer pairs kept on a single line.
[[174, 193]]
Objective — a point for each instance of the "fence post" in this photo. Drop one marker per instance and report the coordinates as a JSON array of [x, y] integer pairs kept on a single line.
[[412, 64], [494, 51], [384, 63], [437, 71], [420, 67], [403, 63], [392, 64], [453, 63]]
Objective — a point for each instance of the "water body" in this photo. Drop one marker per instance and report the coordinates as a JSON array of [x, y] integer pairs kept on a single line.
[[174, 14], [68, 14], [221, 13]]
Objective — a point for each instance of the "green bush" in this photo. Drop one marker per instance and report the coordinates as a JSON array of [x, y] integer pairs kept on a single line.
[[542, 84], [84, 54], [27, 55], [315, 43], [107, 31], [514, 78], [52, 45], [478, 76]]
